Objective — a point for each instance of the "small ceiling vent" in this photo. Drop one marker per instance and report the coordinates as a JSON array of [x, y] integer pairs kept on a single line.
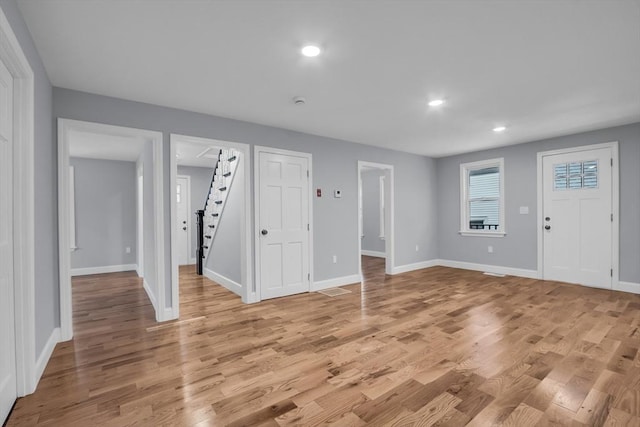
[[298, 100]]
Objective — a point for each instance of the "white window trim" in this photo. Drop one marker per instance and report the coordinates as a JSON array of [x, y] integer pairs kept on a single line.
[[465, 168]]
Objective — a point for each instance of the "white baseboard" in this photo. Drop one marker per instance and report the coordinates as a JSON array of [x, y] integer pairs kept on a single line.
[[45, 355], [102, 270], [231, 285], [634, 288], [338, 281], [151, 296], [376, 254], [415, 266], [519, 272]]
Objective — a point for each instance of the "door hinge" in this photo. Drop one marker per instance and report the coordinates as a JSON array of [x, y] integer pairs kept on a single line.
[[611, 217], [309, 277], [308, 227], [612, 161], [307, 173], [612, 272]]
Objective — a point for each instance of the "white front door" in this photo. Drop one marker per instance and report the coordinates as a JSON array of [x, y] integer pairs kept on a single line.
[[577, 217], [182, 200], [8, 391], [283, 224]]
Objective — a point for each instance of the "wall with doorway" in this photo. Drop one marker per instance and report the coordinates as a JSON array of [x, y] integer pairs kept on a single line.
[[105, 207], [200, 183], [46, 284], [371, 240], [334, 167], [518, 249]]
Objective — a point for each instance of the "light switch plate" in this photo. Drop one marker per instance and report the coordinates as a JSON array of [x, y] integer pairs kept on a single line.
[[524, 210], [337, 194]]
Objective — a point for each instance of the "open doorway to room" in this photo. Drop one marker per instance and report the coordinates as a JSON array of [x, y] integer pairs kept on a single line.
[[375, 219], [210, 176], [109, 225]]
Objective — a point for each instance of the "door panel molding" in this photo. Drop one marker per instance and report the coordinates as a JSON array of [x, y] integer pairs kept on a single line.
[[256, 176], [615, 204]]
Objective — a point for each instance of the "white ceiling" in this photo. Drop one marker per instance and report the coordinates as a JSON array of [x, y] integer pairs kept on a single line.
[[191, 154], [92, 145], [542, 68]]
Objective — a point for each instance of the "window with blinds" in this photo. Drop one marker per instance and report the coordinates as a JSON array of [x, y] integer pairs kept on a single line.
[[482, 204]]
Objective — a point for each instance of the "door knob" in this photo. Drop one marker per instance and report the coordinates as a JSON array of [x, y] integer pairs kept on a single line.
[[264, 232], [184, 228], [547, 227]]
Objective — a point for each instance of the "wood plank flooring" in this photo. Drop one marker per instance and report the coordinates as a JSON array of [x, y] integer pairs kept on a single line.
[[438, 346]]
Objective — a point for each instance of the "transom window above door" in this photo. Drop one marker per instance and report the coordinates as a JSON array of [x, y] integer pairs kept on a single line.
[[482, 198]]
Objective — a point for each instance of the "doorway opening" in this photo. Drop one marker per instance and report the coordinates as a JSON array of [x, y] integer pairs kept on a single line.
[[211, 175], [375, 218], [113, 225]]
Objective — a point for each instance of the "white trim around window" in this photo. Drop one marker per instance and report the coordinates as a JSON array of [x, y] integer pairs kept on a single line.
[[465, 170]]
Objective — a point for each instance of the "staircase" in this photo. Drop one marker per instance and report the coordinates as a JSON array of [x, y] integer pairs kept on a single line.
[[221, 181]]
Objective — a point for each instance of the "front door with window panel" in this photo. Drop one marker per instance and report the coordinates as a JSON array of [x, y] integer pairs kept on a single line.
[[182, 198], [284, 224], [577, 217], [8, 390]]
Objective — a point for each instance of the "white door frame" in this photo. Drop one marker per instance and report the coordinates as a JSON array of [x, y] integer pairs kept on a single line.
[[65, 127], [256, 187], [389, 207], [188, 201], [615, 205], [13, 58], [246, 264], [140, 218]]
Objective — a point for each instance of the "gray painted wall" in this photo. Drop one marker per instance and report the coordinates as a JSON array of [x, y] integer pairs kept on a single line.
[[47, 288], [518, 249], [226, 253], [105, 206], [371, 211], [334, 167], [200, 183]]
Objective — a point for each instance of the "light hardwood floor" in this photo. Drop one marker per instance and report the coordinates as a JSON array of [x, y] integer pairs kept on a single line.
[[433, 347]]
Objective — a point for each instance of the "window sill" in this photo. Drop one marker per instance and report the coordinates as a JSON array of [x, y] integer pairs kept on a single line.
[[482, 233]]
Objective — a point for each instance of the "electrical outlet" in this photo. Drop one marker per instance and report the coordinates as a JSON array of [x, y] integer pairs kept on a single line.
[[335, 259], [490, 249], [127, 250]]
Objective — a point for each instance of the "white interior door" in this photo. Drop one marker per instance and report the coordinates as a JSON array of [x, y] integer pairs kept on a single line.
[[577, 217], [283, 224], [8, 391], [182, 202]]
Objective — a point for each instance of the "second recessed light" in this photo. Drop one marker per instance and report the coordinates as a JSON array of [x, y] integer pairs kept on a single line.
[[436, 102], [311, 50], [499, 128]]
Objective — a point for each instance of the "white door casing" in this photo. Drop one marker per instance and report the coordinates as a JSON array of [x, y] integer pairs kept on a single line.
[[140, 222], [183, 230], [8, 378], [578, 217], [283, 223]]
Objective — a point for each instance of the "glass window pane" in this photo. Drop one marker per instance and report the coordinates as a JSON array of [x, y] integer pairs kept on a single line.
[[484, 183], [590, 166], [484, 214], [575, 168], [590, 181], [560, 176], [575, 182]]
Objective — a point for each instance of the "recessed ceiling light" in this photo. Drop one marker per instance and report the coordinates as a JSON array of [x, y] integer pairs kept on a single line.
[[311, 50], [436, 102], [499, 129]]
